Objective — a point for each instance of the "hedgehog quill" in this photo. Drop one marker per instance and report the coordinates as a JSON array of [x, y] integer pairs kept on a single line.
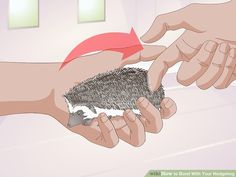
[[115, 90]]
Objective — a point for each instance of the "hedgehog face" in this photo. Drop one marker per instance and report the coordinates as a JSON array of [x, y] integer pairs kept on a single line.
[[76, 118]]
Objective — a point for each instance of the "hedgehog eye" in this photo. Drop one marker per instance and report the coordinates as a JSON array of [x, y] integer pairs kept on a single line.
[[81, 113]]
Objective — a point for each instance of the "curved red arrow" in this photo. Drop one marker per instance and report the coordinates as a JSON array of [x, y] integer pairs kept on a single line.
[[126, 43]]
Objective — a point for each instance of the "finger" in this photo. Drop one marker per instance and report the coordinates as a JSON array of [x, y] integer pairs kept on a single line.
[[180, 50], [150, 114], [118, 122], [124, 134], [108, 131], [149, 52], [123, 131], [137, 132], [216, 67], [192, 70], [170, 21], [160, 66], [168, 108], [229, 67], [233, 78]]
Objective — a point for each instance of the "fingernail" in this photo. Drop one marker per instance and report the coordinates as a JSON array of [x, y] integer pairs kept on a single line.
[[232, 53], [168, 104], [140, 100], [131, 116], [224, 47], [164, 102], [211, 46], [143, 102], [103, 117]]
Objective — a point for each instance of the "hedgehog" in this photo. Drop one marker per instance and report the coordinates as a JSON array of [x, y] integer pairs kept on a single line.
[[115, 90]]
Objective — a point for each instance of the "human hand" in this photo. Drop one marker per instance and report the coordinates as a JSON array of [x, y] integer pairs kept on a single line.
[[132, 130], [128, 127], [103, 131], [207, 47]]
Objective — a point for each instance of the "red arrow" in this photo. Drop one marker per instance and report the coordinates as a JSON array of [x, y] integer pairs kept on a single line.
[[126, 43]]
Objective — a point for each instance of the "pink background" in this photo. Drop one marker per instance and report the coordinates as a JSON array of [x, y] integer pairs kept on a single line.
[[201, 135]]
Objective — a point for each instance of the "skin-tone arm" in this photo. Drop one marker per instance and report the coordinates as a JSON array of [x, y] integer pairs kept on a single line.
[[39, 88], [25, 86], [207, 47]]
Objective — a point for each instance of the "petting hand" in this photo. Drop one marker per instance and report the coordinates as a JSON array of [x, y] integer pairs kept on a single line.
[[207, 47]]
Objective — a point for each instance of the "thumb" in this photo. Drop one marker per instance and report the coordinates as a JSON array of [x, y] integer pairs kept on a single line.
[[169, 21]]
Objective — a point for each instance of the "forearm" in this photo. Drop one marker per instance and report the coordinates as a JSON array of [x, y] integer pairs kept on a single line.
[[25, 86]]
